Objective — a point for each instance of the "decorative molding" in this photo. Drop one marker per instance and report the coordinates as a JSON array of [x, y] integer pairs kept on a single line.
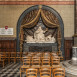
[[7, 38], [37, 2], [68, 38], [75, 35], [75, 18]]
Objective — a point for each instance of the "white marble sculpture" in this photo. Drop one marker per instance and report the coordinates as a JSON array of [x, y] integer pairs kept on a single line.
[[39, 37], [29, 39], [50, 39]]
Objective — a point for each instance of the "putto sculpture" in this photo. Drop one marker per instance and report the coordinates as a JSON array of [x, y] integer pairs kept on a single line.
[[39, 37]]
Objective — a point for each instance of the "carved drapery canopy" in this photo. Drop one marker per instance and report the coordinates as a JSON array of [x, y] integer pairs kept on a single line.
[[48, 18], [32, 18]]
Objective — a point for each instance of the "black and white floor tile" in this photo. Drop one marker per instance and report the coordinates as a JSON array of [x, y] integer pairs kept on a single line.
[[69, 68], [13, 70]]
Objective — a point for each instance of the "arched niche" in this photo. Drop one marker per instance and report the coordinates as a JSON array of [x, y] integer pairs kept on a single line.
[[36, 7]]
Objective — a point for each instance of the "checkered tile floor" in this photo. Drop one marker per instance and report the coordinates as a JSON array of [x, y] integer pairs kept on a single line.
[[13, 70]]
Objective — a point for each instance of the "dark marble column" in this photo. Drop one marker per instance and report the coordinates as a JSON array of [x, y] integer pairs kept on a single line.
[[76, 16], [75, 36], [74, 55], [74, 48]]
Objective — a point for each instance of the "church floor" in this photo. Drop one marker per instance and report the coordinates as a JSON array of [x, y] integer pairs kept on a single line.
[[13, 70]]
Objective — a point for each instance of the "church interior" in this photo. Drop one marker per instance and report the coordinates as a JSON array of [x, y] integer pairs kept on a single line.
[[38, 38]]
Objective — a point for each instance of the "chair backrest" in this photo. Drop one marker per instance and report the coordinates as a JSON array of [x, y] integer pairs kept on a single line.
[[45, 72], [31, 72], [36, 60], [12, 54], [2, 57], [39, 55], [55, 60], [46, 54], [45, 60], [7, 54], [24, 54], [53, 55], [18, 54], [26, 60], [59, 72], [31, 53], [3, 53]]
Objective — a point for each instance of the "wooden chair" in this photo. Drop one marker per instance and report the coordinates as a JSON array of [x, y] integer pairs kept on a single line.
[[59, 72], [53, 55], [31, 72], [19, 56], [47, 54], [26, 60], [24, 54], [2, 59], [26, 64], [31, 53], [46, 62], [36, 62], [61, 58], [13, 56], [7, 55], [53, 52], [60, 55], [39, 55], [45, 72], [55, 60], [54, 67]]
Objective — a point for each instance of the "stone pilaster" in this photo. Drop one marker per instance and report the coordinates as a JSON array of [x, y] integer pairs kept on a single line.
[[76, 16], [75, 37]]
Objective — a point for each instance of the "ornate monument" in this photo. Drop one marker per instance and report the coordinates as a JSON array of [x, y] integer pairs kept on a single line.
[[39, 37]]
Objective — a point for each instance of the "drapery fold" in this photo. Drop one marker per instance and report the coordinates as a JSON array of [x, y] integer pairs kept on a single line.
[[32, 19], [33, 22], [47, 22]]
